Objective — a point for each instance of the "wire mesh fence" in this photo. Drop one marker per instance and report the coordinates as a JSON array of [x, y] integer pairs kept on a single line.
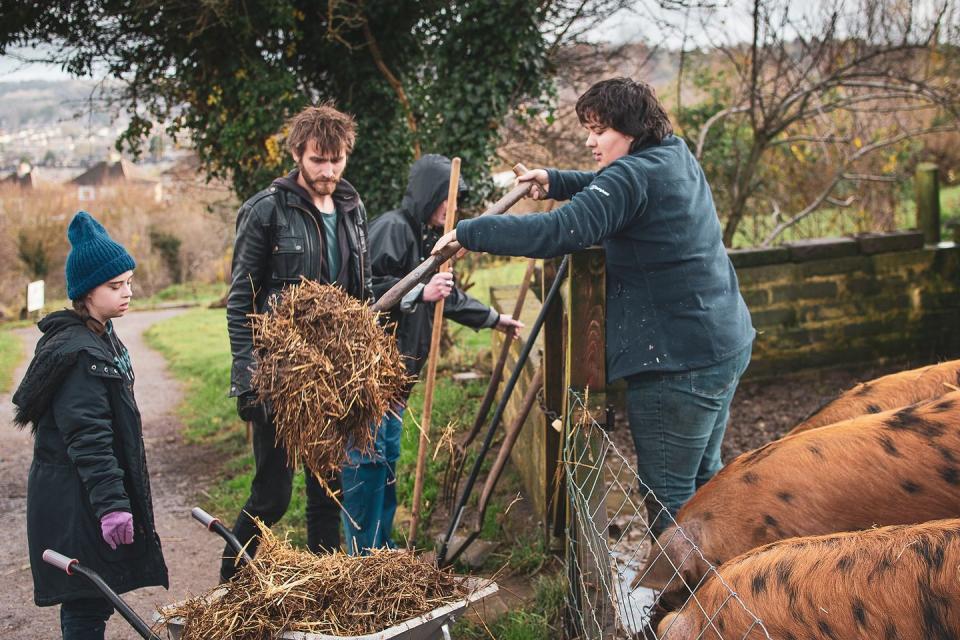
[[612, 556]]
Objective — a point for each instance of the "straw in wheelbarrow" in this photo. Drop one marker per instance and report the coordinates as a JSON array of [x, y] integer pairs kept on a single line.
[[284, 589], [328, 370]]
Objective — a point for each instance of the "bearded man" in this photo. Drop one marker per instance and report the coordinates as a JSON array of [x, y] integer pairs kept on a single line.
[[308, 223]]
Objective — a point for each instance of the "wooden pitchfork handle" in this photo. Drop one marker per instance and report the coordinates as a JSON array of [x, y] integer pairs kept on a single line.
[[426, 269], [436, 331]]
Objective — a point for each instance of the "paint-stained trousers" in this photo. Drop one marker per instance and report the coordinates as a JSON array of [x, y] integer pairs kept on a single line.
[[677, 421], [370, 489]]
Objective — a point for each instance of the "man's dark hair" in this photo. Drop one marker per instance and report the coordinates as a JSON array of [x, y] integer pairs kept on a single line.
[[627, 106], [334, 131]]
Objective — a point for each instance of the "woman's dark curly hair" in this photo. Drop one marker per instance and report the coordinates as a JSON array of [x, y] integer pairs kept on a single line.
[[627, 106]]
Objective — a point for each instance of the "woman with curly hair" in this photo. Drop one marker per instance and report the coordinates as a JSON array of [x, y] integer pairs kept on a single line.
[[678, 329]]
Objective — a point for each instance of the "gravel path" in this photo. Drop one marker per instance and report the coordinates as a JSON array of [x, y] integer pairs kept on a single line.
[[178, 473]]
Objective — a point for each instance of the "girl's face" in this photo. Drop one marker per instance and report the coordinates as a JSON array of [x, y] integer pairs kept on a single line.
[[606, 144], [112, 298]]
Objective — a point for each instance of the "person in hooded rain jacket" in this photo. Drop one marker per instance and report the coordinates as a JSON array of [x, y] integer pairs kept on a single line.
[[88, 492], [400, 240], [677, 329]]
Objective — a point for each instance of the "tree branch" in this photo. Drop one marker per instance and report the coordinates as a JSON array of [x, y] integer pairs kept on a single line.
[[841, 175], [712, 120], [395, 85]]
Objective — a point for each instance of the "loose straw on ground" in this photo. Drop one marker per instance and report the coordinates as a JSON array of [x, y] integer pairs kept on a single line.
[[329, 372], [285, 589]]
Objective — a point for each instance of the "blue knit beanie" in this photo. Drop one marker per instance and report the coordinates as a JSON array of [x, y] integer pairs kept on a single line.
[[94, 257]]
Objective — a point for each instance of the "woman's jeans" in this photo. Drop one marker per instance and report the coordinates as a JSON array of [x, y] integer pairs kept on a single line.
[[370, 490], [84, 619], [677, 421]]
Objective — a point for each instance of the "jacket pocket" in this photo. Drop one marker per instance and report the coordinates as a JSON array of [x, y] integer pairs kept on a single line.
[[286, 260]]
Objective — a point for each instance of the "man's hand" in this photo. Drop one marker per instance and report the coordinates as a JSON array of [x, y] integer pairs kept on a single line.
[[509, 326], [439, 287], [541, 183], [250, 409]]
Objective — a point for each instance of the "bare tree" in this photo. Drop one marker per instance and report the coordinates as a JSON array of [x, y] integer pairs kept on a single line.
[[836, 85]]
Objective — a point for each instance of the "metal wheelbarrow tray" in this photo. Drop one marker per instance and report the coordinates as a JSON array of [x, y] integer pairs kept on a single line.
[[429, 626], [433, 624]]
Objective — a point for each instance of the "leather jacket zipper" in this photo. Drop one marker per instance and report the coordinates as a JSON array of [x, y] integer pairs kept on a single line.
[[318, 259]]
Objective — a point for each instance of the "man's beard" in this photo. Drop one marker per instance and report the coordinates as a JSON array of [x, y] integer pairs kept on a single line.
[[322, 187]]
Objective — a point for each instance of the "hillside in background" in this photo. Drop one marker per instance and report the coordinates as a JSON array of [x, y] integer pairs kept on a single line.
[[59, 123]]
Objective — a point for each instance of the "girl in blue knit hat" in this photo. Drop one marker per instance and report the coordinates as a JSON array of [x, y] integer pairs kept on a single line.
[[88, 493]]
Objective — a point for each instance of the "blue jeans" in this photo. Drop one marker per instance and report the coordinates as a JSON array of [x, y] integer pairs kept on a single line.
[[85, 619], [370, 490], [677, 421]]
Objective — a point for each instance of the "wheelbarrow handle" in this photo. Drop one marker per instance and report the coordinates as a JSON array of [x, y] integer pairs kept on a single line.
[[214, 524], [72, 566], [60, 561], [203, 517]]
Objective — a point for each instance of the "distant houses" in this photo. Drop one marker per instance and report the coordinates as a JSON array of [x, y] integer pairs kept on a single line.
[[103, 178], [22, 177], [99, 181]]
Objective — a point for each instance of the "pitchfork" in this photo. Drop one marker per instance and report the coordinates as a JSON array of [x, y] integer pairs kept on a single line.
[[458, 455]]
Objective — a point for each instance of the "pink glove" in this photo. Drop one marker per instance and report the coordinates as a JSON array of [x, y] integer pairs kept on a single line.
[[117, 528]]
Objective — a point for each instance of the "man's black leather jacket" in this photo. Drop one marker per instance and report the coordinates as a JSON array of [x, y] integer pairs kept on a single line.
[[279, 239]]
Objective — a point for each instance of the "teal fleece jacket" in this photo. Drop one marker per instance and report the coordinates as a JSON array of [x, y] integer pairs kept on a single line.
[[673, 300]]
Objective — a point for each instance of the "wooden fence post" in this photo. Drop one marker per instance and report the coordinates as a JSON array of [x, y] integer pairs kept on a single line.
[[927, 195], [585, 369], [554, 393]]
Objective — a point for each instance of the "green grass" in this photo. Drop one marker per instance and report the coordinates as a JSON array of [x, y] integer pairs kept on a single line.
[[541, 618], [11, 353], [186, 293], [197, 349], [467, 343], [452, 403], [949, 209]]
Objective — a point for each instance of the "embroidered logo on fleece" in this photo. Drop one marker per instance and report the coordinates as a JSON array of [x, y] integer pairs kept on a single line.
[[596, 188]]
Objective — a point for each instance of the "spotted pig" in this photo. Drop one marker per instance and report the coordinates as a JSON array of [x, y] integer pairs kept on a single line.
[[890, 583], [895, 467], [889, 392]]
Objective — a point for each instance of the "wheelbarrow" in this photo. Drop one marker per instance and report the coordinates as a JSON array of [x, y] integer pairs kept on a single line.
[[432, 625]]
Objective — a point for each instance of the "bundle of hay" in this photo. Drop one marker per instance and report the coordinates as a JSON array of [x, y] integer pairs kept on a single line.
[[328, 370], [284, 589]]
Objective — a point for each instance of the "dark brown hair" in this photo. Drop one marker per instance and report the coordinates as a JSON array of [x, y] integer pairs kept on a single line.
[[80, 308], [334, 131], [627, 106]]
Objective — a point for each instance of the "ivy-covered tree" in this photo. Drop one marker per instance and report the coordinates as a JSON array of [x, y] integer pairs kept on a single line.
[[419, 75]]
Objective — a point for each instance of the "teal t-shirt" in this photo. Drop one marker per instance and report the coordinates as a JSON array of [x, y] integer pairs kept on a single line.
[[329, 219]]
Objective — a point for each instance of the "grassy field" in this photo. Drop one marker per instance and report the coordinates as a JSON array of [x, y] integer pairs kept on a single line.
[[11, 353]]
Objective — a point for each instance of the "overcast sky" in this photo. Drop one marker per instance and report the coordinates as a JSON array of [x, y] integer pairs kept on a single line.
[[620, 27]]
